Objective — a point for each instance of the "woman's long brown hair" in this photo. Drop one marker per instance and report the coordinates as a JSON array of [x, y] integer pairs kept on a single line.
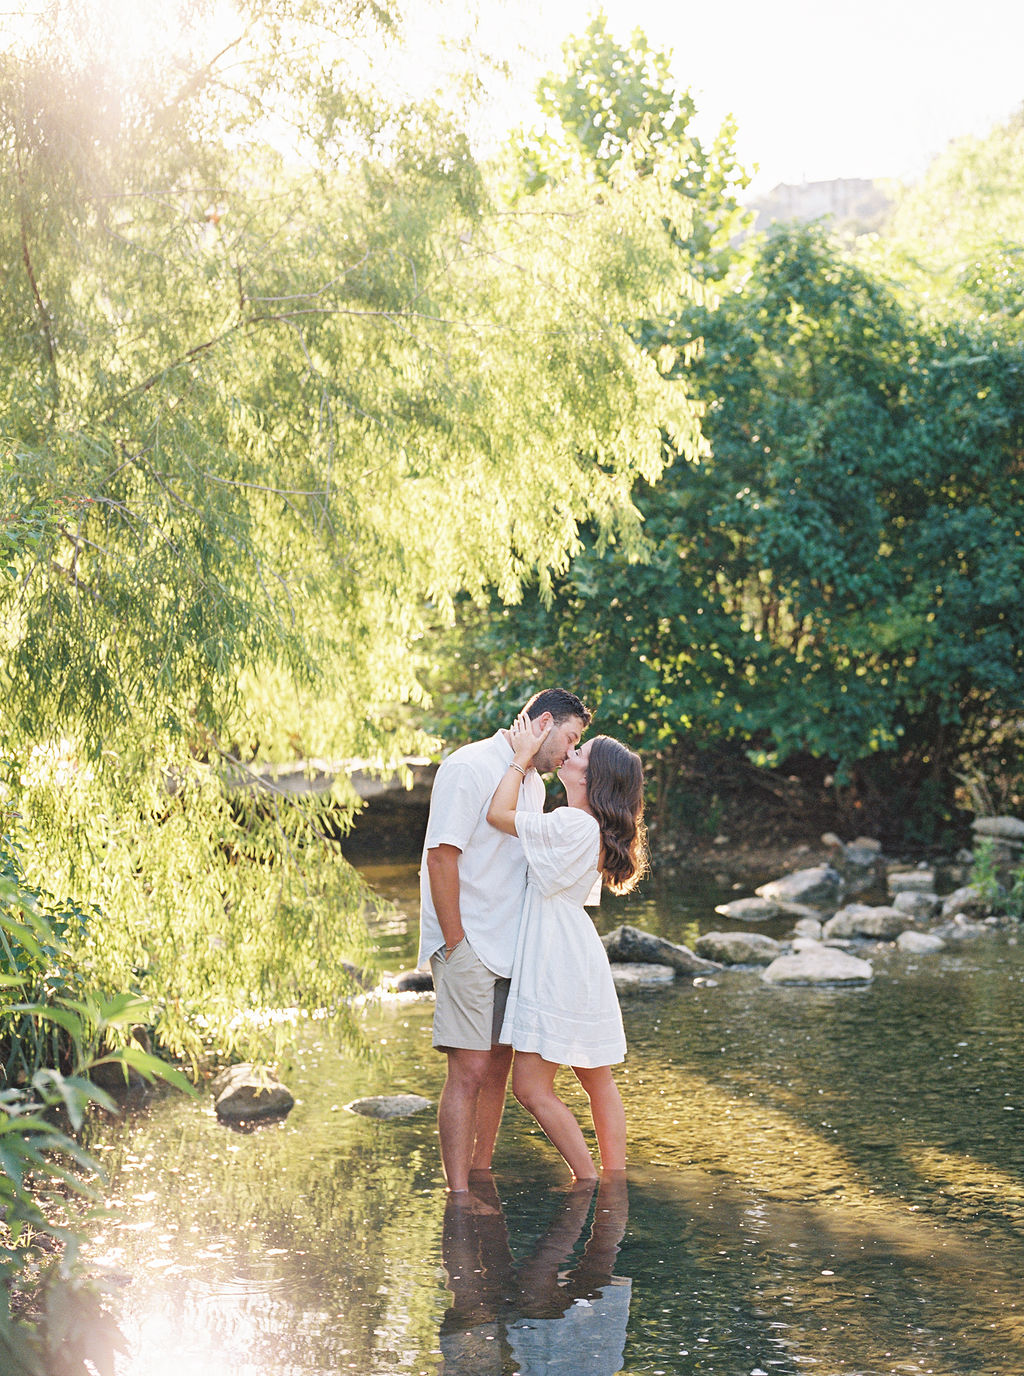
[[615, 794]]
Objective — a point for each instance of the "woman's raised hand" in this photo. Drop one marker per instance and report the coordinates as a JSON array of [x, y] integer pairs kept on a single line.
[[525, 743]]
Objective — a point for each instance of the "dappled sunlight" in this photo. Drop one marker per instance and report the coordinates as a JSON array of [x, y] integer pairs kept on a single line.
[[971, 1185], [748, 1149]]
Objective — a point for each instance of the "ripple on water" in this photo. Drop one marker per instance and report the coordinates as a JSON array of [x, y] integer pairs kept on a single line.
[[825, 1180]]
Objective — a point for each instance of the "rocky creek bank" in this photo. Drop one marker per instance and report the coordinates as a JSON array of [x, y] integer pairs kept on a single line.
[[925, 908], [847, 911]]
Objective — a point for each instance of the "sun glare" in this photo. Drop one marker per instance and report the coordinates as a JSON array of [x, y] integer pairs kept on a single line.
[[129, 39]]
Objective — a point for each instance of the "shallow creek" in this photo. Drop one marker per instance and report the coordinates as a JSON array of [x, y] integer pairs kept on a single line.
[[825, 1181]]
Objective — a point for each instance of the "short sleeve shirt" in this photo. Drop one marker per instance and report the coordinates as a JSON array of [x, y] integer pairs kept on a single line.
[[492, 867]]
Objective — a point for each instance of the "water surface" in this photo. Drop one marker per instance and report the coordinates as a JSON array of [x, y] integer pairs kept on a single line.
[[821, 1180]]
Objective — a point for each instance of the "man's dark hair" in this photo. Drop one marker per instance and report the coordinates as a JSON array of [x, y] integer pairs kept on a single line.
[[560, 703]]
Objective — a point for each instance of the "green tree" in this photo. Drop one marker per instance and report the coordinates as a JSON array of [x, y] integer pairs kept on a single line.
[[956, 235], [837, 579], [287, 405], [612, 95]]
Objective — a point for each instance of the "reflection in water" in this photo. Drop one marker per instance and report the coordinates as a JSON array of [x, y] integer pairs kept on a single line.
[[821, 1180], [544, 1317]]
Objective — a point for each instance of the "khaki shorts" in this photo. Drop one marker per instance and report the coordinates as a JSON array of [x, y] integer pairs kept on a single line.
[[471, 1000]]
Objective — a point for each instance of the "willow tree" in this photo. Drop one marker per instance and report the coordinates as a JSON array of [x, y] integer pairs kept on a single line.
[[279, 399]]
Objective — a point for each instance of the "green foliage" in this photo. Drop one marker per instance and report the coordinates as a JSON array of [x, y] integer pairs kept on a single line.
[[956, 235], [837, 579], [1002, 891], [280, 408], [612, 98], [53, 1323]]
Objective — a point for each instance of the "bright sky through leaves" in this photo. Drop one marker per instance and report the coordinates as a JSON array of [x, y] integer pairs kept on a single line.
[[820, 91]]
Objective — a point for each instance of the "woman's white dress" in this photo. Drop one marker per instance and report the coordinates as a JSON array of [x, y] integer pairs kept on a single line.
[[562, 1002]]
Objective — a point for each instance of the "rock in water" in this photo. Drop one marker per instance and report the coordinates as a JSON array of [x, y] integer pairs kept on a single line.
[[738, 948], [244, 1092], [821, 884], [818, 965], [641, 976], [862, 919], [749, 909], [388, 1105], [920, 943], [630, 946]]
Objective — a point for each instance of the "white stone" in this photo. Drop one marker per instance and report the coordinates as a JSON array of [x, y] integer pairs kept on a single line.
[[911, 881], [920, 943], [818, 965], [749, 909]]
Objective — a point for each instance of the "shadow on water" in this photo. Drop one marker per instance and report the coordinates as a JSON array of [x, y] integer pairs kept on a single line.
[[822, 1180]]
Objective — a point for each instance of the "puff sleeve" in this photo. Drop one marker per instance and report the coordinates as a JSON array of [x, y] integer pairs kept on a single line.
[[561, 847]]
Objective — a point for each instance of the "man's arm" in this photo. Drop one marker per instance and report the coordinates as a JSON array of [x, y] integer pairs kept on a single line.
[[443, 877]]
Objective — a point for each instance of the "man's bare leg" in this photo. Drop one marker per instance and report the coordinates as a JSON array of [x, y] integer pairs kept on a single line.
[[457, 1113], [490, 1105]]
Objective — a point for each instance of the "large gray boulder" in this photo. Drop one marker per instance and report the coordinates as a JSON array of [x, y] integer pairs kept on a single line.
[[388, 1106], [245, 1092], [818, 965], [863, 920], [749, 909], [630, 946], [819, 885], [738, 948]]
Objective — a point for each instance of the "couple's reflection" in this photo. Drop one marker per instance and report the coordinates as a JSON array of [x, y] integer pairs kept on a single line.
[[534, 1316]]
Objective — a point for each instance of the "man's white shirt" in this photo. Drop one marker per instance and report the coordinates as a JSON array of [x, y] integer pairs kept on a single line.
[[492, 868]]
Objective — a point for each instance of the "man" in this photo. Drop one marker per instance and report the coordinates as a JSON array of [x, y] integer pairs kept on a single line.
[[472, 885]]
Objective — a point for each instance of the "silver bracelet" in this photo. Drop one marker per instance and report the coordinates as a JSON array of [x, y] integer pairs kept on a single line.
[[519, 767]]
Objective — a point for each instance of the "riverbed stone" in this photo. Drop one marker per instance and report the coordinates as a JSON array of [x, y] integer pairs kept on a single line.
[[738, 948], [1005, 828], [920, 943], [389, 1106], [920, 906], [749, 909], [968, 900], [244, 1092], [638, 976], [818, 965], [960, 928], [821, 884], [630, 946], [911, 881], [864, 920], [809, 928], [804, 943]]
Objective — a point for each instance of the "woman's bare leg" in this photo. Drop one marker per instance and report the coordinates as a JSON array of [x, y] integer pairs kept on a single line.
[[533, 1081], [608, 1114]]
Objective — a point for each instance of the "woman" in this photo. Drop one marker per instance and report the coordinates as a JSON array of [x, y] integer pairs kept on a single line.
[[562, 1007]]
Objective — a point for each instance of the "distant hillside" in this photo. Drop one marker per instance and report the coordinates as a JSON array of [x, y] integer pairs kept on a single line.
[[853, 204]]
